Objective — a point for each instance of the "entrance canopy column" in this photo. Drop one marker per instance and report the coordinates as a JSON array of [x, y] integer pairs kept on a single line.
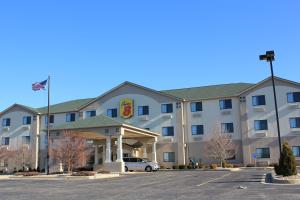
[[108, 149], [154, 158]]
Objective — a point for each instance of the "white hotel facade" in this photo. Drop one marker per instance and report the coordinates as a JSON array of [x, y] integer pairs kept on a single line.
[[168, 126]]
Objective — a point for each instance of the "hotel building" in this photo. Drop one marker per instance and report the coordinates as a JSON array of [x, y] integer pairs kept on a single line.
[[169, 126]]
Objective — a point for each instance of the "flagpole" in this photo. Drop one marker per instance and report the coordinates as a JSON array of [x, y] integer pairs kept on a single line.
[[48, 128]]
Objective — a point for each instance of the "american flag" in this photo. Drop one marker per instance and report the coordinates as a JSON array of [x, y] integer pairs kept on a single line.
[[39, 85]]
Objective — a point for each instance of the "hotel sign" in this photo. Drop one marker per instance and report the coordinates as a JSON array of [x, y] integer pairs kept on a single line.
[[126, 108]]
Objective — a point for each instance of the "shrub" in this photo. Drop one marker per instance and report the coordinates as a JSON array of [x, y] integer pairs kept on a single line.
[[162, 167], [213, 166], [287, 162], [175, 167], [189, 167], [272, 164], [229, 165], [200, 166], [236, 165], [83, 173], [224, 164], [182, 166], [27, 174]]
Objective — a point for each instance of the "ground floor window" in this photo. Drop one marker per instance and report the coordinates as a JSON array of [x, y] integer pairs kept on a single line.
[[5, 141], [25, 139], [263, 153], [169, 156], [296, 151]]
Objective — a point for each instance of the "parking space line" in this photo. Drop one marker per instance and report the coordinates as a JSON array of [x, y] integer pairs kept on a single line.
[[205, 183]]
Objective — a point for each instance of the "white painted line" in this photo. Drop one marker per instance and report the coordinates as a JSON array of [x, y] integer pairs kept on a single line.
[[213, 180]]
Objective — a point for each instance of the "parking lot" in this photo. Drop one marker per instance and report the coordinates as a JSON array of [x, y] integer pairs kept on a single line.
[[157, 185]]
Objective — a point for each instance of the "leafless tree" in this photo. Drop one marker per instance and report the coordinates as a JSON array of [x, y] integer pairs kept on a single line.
[[220, 147], [70, 150]]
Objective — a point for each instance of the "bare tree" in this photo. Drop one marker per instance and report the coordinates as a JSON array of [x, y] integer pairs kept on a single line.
[[220, 147], [70, 150]]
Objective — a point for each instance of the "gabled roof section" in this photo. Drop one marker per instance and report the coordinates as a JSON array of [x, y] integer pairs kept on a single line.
[[91, 122], [27, 108], [269, 79], [68, 106], [209, 92], [134, 85]]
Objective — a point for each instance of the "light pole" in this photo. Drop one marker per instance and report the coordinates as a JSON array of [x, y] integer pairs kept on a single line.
[[269, 57]]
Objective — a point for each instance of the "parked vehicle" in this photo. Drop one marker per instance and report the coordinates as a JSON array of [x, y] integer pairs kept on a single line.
[[140, 164]]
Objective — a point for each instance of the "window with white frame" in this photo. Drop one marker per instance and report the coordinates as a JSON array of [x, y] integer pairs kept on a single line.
[[296, 151], [143, 110], [51, 119], [6, 122], [263, 152], [196, 106], [70, 117], [225, 104], [168, 131], [295, 122], [197, 130], [90, 113], [113, 112], [26, 120], [259, 100], [169, 156], [260, 125], [293, 97], [167, 108], [227, 127]]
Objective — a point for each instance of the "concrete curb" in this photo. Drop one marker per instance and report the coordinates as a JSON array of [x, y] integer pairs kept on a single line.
[[218, 169], [272, 179]]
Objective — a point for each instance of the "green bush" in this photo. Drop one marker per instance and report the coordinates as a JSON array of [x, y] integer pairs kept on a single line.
[[175, 167], [182, 166], [287, 162], [213, 166]]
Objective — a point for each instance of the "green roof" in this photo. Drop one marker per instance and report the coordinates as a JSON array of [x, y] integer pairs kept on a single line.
[[68, 106], [91, 122], [209, 92]]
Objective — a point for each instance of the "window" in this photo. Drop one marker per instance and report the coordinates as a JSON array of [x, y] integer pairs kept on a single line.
[[196, 106], [296, 151], [295, 122], [168, 131], [26, 120], [143, 110], [112, 112], [51, 119], [197, 130], [70, 117], [25, 139], [262, 153], [260, 125], [148, 129], [169, 156], [6, 122], [225, 104], [259, 100], [5, 141], [293, 97], [90, 113], [227, 128], [167, 108]]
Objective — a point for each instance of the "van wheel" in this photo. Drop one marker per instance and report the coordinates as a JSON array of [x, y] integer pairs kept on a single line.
[[148, 169], [126, 169]]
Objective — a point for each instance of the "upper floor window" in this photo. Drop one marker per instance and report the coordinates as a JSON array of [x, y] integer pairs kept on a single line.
[[143, 110], [260, 125], [296, 151], [259, 100], [196, 106], [5, 141], [51, 119], [295, 122], [26, 139], [167, 108], [112, 112], [70, 117], [90, 113], [293, 97], [227, 128], [225, 104], [6, 122], [26, 120], [197, 130], [262, 153], [168, 131]]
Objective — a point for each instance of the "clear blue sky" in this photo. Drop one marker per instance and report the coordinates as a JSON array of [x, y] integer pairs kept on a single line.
[[89, 47]]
